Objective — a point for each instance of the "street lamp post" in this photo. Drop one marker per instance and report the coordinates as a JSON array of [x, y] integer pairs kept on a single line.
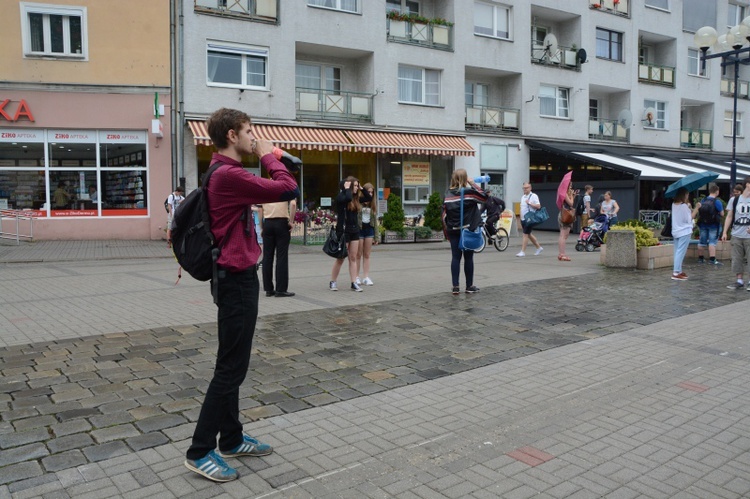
[[730, 48]]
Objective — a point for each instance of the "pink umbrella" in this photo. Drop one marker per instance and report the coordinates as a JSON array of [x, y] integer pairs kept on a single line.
[[562, 189]]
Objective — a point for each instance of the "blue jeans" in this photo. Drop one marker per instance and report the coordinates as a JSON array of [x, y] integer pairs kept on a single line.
[[709, 235], [680, 248], [220, 413], [456, 254]]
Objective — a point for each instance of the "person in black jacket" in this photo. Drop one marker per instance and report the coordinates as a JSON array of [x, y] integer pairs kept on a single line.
[[348, 207], [474, 196], [494, 207]]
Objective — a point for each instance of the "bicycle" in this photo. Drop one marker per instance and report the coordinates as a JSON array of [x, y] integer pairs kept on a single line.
[[500, 242]]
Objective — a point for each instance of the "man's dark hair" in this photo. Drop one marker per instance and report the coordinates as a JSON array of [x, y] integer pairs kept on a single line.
[[223, 120], [179, 189]]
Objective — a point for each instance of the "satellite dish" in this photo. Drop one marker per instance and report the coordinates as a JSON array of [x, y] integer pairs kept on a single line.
[[550, 44], [649, 116], [581, 54], [625, 118]]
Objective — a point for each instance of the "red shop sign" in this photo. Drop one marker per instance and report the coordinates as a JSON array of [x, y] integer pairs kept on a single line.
[[21, 110]]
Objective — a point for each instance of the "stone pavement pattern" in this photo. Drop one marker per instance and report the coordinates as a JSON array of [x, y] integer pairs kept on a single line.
[[622, 394]]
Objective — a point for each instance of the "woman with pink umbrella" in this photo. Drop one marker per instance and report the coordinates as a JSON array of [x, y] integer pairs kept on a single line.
[[566, 197]]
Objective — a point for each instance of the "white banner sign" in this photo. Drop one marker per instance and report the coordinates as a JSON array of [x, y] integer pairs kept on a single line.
[[21, 135], [71, 136], [122, 137]]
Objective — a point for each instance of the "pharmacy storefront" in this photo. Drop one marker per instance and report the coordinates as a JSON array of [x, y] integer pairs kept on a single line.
[[87, 172]]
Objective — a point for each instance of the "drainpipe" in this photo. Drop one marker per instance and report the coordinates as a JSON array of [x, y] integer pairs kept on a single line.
[[172, 85], [180, 89]]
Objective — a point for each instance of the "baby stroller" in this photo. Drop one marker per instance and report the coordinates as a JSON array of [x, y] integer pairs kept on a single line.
[[592, 237]]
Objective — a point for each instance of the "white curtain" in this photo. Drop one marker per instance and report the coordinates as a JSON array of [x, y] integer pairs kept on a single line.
[[409, 84], [547, 101], [308, 76]]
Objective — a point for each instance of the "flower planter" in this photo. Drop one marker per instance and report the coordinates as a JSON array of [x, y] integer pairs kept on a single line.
[[723, 250], [440, 35], [571, 58], [648, 258], [437, 236], [397, 29], [620, 252], [394, 237]]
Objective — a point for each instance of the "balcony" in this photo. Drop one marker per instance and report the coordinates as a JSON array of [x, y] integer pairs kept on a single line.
[[313, 103], [696, 138], [257, 10], [610, 130], [493, 119], [657, 75], [563, 57], [616, 7], [430, 35], [727, 88]]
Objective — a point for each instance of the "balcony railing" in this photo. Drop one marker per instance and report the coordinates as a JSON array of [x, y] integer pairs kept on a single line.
[[658, 75], [743, 88], [263, 9], [617, 7], [608, 130], [496, 119], [564, 57], [333, 105], [696, 138], [434, 36]]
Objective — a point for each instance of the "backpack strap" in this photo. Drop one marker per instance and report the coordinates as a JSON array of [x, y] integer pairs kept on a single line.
[[734, 210]]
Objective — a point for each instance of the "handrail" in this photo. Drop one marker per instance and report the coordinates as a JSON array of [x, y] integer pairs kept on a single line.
[[17, 216]]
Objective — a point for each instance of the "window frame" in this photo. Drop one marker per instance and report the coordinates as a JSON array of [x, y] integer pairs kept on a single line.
[[66, 11], [485, 94], [701, 73], [728, 122], [244, 51], [610, 44], [662, 114], [495, 8], [322, 77], [338, 8], [424, 72], [666, 9], [742, 9], [558, 98], [405, 7]]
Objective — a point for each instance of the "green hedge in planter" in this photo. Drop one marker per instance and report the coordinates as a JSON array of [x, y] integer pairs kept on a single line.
[[393, 219], [433, 212]]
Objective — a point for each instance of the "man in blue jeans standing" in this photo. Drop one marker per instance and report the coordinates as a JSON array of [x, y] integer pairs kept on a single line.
[[231, 191], [709, 214]]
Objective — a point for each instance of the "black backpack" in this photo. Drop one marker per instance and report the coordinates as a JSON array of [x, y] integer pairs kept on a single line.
[[193, 242], [707, 214], [580, 205], [166, 204]]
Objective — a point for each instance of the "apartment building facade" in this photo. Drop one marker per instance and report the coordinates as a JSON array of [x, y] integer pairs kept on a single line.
[[401, 92], [84, 143]]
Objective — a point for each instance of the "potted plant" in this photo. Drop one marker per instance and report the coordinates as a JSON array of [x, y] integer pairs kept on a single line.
[[571, 55], [393, 221], [649, 252], [441, 31], [397, 24]]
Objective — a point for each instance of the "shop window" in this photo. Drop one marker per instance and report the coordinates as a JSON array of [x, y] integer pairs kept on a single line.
[[237, 66], [54, 31], [71, 193], [321, 175]]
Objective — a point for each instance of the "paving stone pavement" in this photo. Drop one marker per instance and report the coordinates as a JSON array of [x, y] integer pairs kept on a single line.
[[617, 383]]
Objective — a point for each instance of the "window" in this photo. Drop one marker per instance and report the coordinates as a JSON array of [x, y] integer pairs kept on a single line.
[[491, 20], [659, 4], [418, 86], [659, 119], [594, 109], [477, 94], [406, 7], [345, 5], [694, 63], [553, 101], [318, 77], [644, 54], [240, 66], [735, 15], [54, 31], [728, 124], [698, 13], [608, 44]]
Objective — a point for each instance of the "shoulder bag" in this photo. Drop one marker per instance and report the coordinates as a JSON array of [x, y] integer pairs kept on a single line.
[[536, 217], [335, 246], [567, 216], [470, 240]]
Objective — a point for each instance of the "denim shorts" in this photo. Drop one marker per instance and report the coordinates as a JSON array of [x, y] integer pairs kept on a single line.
[[709, 235], [367, 231]]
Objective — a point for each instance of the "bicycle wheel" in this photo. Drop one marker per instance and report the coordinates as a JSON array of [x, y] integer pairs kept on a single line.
[[501, 239], [484, 242]]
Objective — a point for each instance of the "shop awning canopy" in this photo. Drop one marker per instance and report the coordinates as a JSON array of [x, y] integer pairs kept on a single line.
[[331, 139]]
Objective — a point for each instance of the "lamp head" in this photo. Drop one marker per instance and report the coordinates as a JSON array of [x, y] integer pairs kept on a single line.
[[706, 36], [725, 42], [740, 33]]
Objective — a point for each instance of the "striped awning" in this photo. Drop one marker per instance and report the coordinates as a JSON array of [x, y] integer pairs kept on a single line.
[[200, 133], [411, 143], [295, 137], [328, 139]]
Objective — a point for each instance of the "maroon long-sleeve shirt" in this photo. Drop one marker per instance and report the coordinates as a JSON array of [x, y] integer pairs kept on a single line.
[[231, 192]]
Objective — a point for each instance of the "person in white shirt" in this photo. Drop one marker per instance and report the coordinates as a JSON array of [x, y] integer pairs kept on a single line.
[[529, 202], [738, 221], [173, 201], [682, 229]]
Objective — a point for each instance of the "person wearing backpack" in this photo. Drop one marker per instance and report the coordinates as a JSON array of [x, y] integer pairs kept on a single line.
[[584, 209], [230, 191], [738, 220], [171, 204], [709, 214]]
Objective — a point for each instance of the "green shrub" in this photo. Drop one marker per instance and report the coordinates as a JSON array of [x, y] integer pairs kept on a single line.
[[643, 236], [423, 232], [434, 211], [393, 219]]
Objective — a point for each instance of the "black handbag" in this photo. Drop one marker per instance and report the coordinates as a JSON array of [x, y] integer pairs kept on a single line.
[[335, 246], [667, 230]]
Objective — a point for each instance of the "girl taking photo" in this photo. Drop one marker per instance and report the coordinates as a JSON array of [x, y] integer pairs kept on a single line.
[[368, 233], [348, 208]]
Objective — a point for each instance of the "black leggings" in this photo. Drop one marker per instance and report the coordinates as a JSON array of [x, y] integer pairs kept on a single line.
[[453, 237]]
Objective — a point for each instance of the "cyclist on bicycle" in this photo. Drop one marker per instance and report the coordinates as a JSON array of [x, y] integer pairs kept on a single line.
[[494, 206]]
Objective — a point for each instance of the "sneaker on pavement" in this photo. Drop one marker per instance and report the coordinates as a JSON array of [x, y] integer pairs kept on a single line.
[[367, 281], [715, 262], [249, 447], [681, 276], [212, 467], [472, 289], [358, 281], [332, 286], [520, 253], [355, 287], [701, 259], [736, 285], [456, 290], [538, 251]]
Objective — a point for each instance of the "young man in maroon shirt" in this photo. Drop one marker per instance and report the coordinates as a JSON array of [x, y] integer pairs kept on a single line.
[[231, 193]]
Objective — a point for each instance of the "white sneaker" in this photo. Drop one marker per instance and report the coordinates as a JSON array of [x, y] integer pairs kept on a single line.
[[332, 286], [355, 287], [367, 282], [539, 250], [520, 253], [358, 281]]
